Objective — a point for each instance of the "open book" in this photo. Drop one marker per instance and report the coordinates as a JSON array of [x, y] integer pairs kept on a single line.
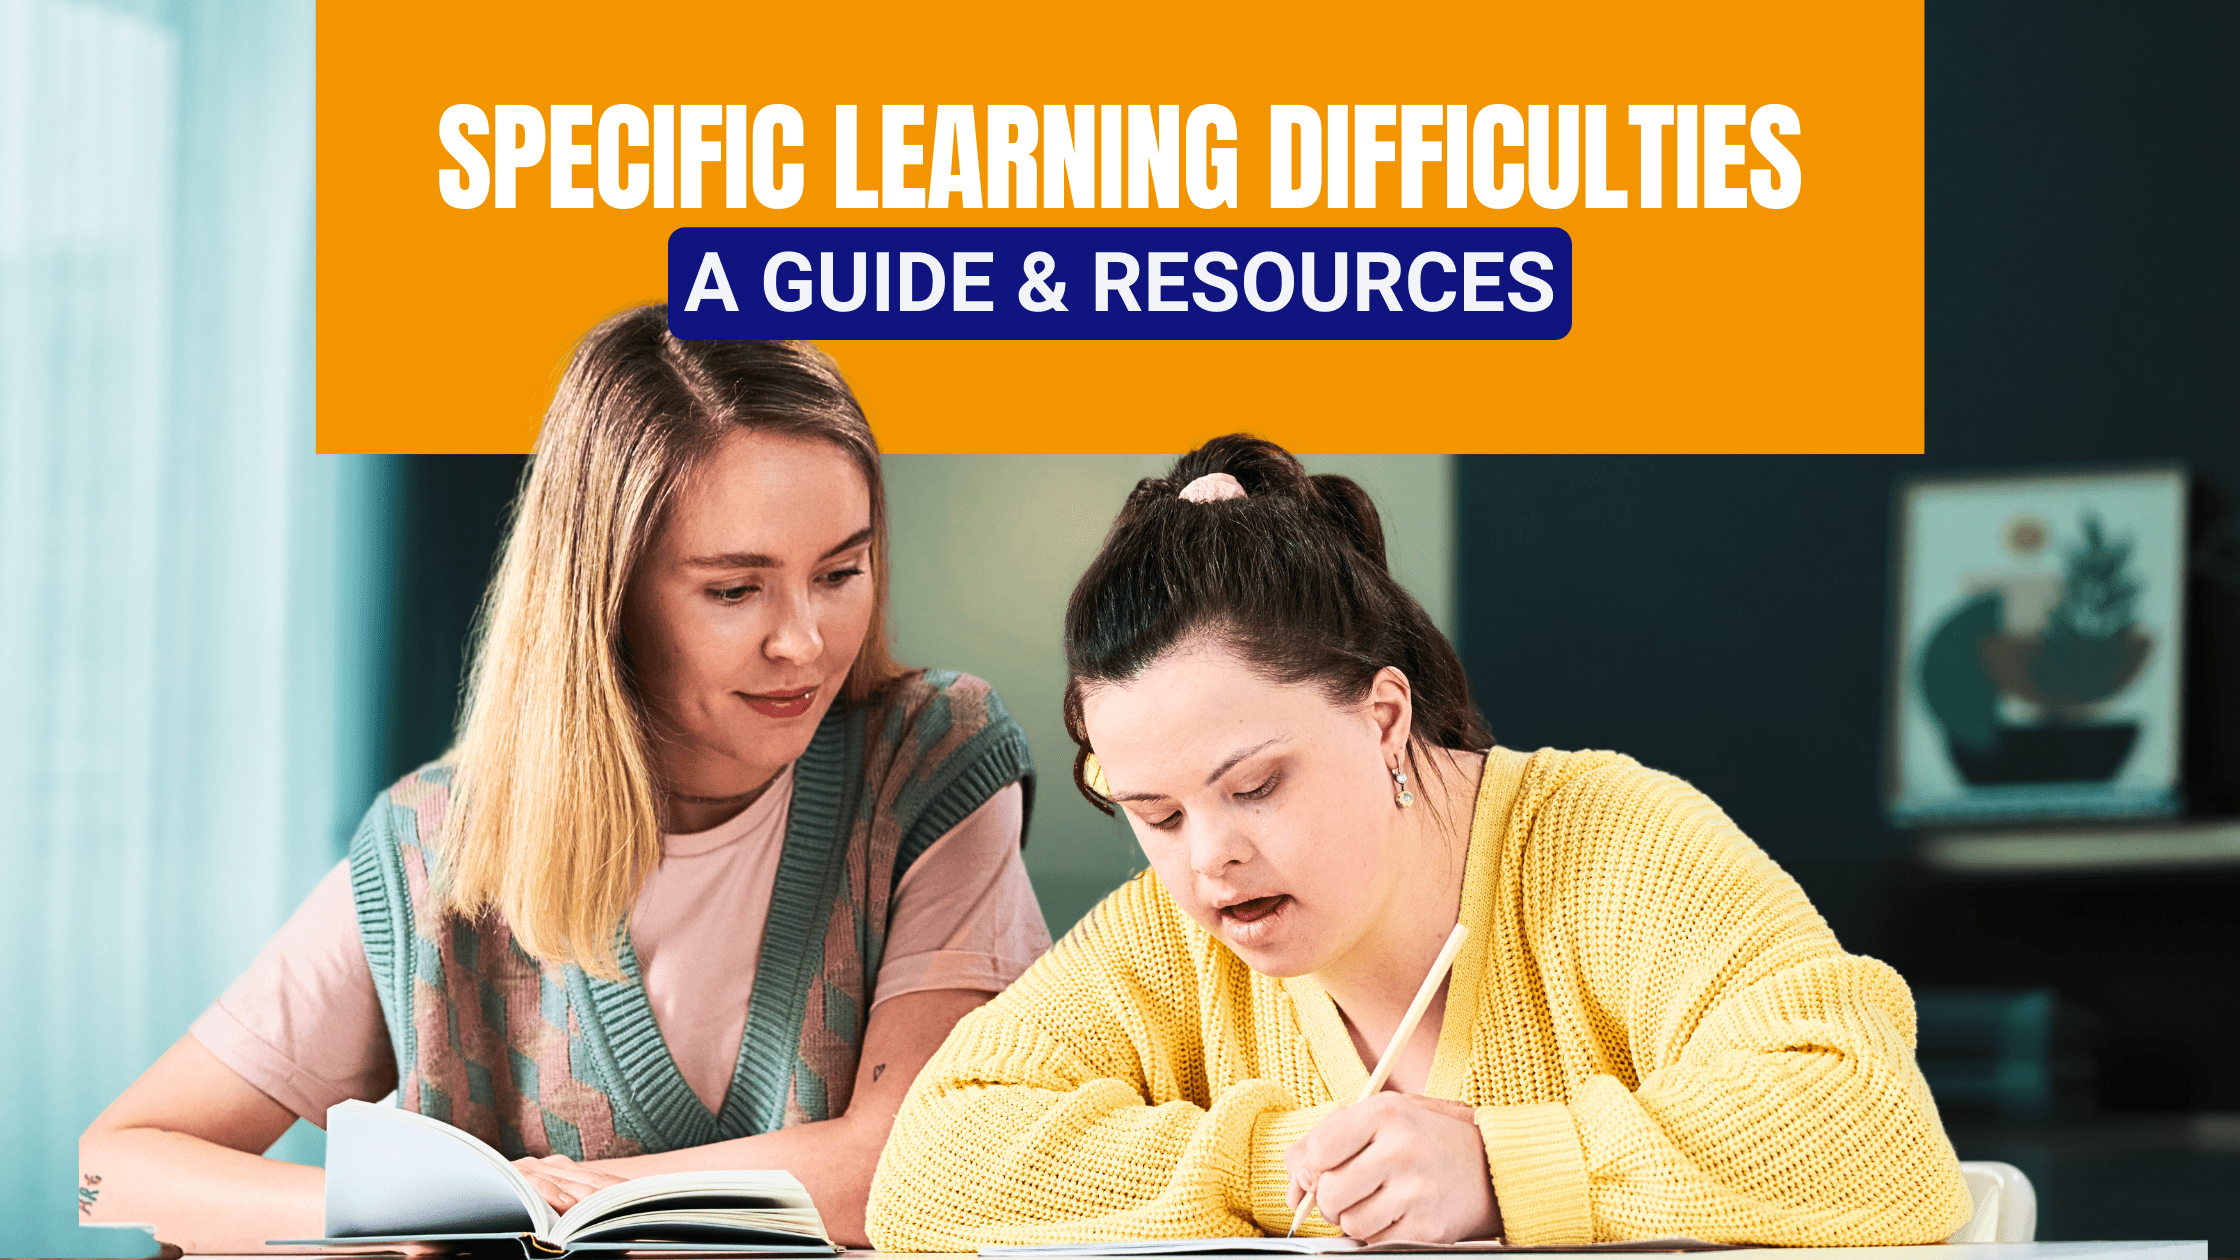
[[396, 1176], [1316, 1247]]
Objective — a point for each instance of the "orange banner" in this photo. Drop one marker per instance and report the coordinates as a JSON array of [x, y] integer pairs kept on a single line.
[[1780, 312]]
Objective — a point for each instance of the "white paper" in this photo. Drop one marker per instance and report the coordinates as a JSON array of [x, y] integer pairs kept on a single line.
[[1316, 1247]]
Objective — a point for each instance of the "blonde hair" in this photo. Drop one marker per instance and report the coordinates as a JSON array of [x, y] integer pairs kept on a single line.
[[556, 813]]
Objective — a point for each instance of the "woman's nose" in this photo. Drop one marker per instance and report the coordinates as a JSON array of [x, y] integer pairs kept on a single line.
[[794, 638], [1215, 847]]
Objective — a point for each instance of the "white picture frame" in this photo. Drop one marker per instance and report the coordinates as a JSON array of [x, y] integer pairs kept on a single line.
[[2037, 647]]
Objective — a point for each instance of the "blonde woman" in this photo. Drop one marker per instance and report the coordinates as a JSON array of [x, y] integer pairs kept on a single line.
[[707, 876]]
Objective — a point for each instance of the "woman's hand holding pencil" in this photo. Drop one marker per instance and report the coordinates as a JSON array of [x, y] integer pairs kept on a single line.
[[1396, 1166], [1399, 1166]]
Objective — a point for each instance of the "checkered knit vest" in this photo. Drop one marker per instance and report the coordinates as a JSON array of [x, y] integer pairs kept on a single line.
[[537, 1058]]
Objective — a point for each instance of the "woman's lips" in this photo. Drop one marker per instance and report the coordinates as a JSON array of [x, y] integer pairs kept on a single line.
[[783, 704], [1252, 923], [1254, 910]]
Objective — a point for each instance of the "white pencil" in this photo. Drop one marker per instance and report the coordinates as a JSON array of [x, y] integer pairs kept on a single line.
[[1400, 1036]]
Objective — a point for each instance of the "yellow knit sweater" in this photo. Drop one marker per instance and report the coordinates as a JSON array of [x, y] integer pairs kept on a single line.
[[1658, 1033]]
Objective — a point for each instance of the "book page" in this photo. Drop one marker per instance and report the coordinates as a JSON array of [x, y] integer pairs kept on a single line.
[[760, 1199], [392, 1172]]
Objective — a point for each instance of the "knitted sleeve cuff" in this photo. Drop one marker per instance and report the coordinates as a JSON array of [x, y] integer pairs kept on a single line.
[[1272, 1135], [1539, 1174]]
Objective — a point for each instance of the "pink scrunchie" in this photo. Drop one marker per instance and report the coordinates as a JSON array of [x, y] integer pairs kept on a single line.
[[1212, 487]]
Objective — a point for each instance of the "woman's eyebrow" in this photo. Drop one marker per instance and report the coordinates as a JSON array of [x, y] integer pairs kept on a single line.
[[1235, 757], [850, 543], [734, 560], [1222, 769], [757, 560]]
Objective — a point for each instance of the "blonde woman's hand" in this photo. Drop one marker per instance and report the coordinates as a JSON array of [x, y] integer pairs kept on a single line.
[[1398, 1166], [562, 1181]]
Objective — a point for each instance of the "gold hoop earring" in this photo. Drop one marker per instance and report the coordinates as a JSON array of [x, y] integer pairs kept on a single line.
[[1401, 796]]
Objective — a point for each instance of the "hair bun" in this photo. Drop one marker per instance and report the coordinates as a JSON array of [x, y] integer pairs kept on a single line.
[[1263, 468], [1344, 505], [1268, 473], [1260, 466]]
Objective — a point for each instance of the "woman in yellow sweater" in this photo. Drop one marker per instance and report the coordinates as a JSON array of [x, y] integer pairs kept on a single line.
[[1648, 1032]]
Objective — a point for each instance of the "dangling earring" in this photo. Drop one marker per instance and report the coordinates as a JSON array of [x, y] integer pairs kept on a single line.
[[1401, 796]]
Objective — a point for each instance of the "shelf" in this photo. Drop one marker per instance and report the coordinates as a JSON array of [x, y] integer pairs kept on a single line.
[[2108, 847]]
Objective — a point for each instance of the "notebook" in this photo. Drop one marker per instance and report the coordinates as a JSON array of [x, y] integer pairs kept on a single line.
[[396, 1176]]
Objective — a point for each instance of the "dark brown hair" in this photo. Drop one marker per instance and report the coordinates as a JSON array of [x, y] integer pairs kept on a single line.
[[1292, 578]]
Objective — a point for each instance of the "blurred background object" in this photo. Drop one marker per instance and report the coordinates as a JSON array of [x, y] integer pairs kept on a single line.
[[2036, 643], [216, 645], [1988, 1049]]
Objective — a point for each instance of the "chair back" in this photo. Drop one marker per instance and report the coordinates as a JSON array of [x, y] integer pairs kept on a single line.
[[2006, 1205]]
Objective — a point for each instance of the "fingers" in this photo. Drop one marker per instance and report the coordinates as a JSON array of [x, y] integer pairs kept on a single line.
[[1342, 1190], [593, 1177], [1379, 1216], [1302, 1177], [561, 1181], [561, 1168], [1398, 1166], [1320, 1163], [1342, 1135], [560, 1197]]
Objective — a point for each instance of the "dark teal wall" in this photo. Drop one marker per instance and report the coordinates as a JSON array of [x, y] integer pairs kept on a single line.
[[451, 517]]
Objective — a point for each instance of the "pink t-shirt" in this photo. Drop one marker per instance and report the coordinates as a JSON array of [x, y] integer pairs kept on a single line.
[[303, 1023]]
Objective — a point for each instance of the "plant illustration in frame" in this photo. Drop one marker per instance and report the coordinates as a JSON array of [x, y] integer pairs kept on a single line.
[[2037, 636]]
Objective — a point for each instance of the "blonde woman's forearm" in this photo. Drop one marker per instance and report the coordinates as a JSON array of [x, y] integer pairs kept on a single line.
[[179, 1151]]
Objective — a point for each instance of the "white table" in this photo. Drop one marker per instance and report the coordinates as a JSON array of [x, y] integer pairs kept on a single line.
[[2196, 1249]]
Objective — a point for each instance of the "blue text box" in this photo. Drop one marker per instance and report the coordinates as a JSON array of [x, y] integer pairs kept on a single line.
[[1167, 284]]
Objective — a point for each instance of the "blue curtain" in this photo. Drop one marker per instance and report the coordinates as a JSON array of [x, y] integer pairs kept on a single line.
[[191, 603]]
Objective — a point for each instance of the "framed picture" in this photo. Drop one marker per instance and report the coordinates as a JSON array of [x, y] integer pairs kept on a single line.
[[2037, 647]]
